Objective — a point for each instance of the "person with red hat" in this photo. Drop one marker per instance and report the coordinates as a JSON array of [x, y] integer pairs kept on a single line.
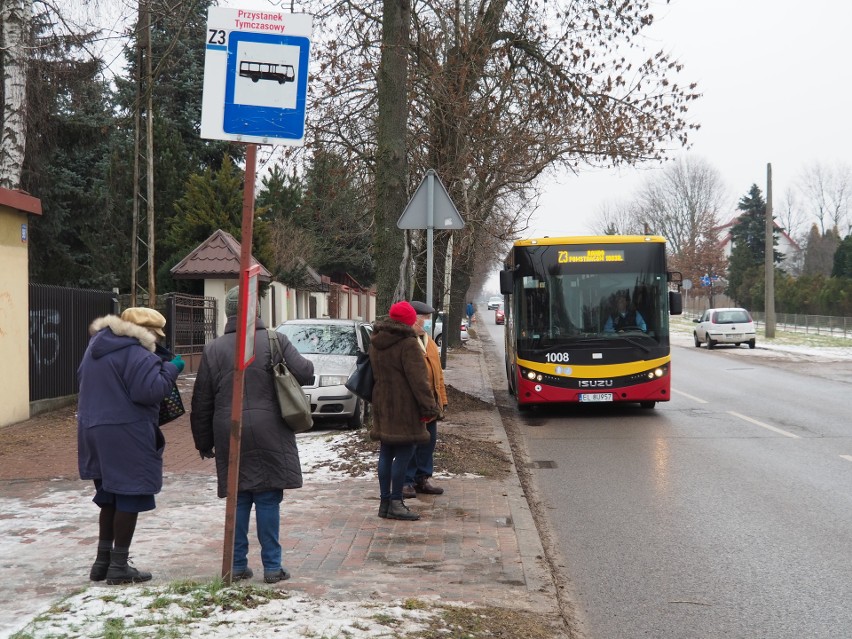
[[418, 477], [403, 403]]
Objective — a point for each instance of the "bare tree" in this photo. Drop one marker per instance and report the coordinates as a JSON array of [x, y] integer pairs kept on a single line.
[[618, 218], [499, 93], [826, 193], [683, 202]]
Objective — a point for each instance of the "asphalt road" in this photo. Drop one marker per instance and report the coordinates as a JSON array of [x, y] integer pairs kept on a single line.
[[726, 512]]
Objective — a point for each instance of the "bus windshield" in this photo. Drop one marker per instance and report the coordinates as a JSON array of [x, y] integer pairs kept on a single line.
[[590, 295]]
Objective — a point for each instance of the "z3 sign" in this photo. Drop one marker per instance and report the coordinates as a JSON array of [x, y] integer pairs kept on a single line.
[[256, 76]]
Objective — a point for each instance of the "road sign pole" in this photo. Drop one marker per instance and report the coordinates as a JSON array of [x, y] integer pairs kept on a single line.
[[430, 233]]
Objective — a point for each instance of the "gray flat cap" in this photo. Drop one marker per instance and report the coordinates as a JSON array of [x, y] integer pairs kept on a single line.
[[422, 308]]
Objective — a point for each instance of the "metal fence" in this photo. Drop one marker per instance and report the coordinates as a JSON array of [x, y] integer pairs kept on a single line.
[[59, 322], [812, 324], [190, 323]]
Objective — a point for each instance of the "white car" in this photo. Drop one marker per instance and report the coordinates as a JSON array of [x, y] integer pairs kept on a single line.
[[439, 329], [332, 345], [724, 326], [494, 302]]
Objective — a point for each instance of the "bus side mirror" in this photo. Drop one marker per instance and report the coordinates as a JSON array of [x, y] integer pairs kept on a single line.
[[507, 282], [675, 303]]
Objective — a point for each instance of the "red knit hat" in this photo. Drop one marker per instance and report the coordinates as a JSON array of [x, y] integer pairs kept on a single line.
[[403, 312]]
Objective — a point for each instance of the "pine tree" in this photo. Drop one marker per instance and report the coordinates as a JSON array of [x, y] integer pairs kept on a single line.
[[213, 200], [748, 235], [843, 259]]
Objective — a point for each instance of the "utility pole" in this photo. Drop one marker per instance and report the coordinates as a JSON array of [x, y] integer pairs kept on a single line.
[[769, 302], [149, 150]]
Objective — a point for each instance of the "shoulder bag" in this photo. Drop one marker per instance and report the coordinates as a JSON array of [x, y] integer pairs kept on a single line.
[[294, 404], [171, 407], [361, 380]]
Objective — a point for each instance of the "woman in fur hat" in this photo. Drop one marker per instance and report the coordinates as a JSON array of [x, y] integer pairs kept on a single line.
[[120, 445]]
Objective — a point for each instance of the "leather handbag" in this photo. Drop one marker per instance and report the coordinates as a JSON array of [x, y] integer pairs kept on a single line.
[[294, 404], [361, 380]]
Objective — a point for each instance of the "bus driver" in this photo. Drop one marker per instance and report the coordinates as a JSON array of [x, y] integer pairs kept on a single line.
[[624, 317]]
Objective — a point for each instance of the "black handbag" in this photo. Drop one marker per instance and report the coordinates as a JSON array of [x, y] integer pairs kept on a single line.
[[361, 381], [172, 406]]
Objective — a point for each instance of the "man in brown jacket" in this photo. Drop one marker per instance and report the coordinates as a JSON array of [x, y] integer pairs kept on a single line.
[[419, 474]]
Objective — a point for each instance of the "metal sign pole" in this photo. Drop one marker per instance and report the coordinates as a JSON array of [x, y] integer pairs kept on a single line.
[[430, 233], [237, 401]]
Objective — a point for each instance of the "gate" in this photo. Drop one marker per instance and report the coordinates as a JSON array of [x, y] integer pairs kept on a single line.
[[190, 324]]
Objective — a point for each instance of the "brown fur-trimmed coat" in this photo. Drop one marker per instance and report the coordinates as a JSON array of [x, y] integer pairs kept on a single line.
[[402, 394]]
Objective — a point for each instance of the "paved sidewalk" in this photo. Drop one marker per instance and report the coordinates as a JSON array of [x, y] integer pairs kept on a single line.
[[475, 544]]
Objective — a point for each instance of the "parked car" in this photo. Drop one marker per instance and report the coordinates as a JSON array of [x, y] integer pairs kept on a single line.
[[438, 330], [494, 302], [332, 345], [724, 326], [499, 315]]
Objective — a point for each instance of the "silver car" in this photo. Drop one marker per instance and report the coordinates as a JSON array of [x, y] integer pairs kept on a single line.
[[332, 345], [438, 331]]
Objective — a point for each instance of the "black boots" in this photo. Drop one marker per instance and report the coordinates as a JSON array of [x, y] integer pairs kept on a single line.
[[274, 576], [101, 565], [384, 504], [120, 572], [398, 510]]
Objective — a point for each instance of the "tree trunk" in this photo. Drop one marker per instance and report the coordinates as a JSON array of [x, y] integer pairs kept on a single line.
[[14, 16], [391, 157]]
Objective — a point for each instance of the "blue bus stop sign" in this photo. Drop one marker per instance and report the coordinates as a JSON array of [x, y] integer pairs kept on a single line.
[[256, 76], [262, 94]]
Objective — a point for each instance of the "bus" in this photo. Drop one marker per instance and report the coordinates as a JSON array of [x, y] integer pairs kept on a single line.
[[587, 319]]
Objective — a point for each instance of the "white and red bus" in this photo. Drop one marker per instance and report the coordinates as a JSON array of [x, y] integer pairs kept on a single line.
[[587, 319]]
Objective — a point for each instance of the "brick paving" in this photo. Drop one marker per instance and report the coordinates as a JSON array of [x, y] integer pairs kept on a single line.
[[475, 544]]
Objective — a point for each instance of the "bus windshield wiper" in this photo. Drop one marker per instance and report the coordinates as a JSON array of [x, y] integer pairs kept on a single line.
[[635, 342]]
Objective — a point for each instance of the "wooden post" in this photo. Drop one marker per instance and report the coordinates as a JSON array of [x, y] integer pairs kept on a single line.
[[237, 403], [769, 301]]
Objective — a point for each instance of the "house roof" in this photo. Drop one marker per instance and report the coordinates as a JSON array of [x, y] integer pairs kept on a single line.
[[217, 257], [21, 200], [727, 230]]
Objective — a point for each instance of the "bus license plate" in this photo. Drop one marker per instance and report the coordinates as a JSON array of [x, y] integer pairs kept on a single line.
[[595, 397]]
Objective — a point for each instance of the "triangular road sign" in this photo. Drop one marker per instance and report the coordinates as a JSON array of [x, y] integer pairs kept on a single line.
[[444, 216]]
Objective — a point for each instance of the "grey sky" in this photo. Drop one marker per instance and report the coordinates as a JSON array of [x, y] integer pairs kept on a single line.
[[776, 88]]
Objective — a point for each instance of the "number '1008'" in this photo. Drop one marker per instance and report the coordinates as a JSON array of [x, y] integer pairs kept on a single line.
[[556, 357]]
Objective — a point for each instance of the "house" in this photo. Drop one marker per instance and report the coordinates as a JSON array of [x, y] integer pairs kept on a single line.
[[786, 246], [216, 261], [15, 207]]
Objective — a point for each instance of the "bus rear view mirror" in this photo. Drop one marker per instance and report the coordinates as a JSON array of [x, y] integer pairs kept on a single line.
[[507, 282], [675, 303]]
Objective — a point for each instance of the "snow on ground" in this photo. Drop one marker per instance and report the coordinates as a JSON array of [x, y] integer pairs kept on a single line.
[[139, 610]]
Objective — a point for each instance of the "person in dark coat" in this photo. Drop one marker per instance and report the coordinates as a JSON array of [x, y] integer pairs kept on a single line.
[[120, 445], [403, 403], [269, 457]]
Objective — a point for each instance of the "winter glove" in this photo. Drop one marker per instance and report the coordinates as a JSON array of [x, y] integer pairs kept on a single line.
[[207, 454], [178, 361]]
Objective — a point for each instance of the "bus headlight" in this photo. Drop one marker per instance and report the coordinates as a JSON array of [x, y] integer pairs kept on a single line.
[[657, 372], [533, 376]]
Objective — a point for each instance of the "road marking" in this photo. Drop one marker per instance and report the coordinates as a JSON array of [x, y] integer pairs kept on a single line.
[[847, 457], [692, 397], [762, 425]]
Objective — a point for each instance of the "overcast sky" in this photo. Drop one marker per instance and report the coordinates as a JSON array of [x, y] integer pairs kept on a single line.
[[777, 88]]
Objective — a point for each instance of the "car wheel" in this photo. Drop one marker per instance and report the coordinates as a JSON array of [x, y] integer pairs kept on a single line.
[[710, 342], [438, 340], [752, 343], [647, 404], [697, 341], [359, 417]]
